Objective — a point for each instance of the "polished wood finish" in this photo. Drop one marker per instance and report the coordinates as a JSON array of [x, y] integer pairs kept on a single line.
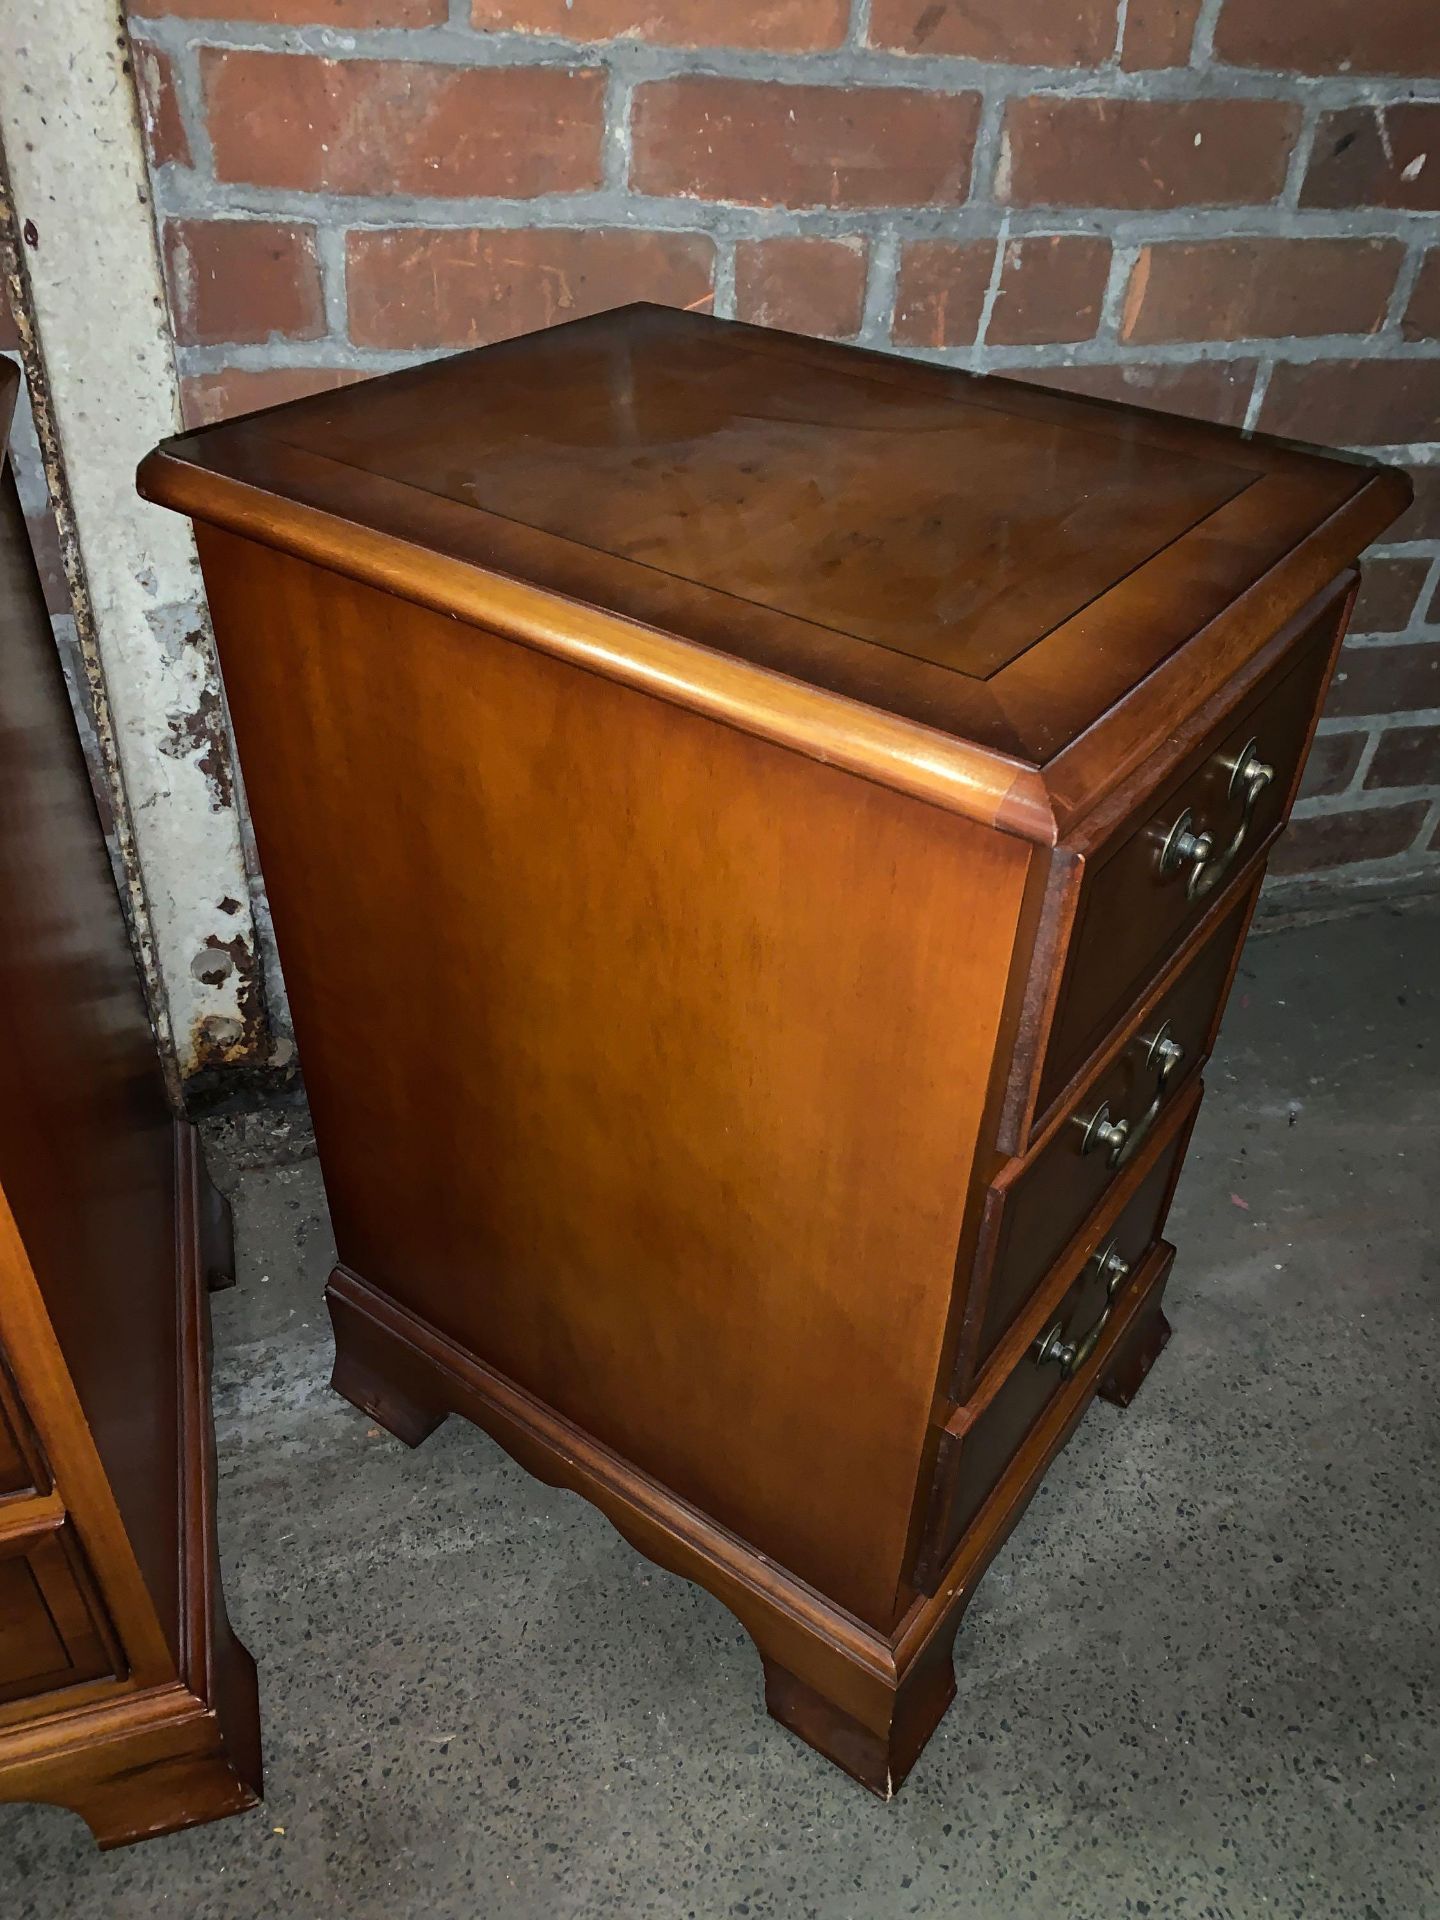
[[122, 1694], [20, 1467], [1041, 1199], [49, 1633], [627, 1193], [1029, 745], [706, 783], [1129, 912], [1020, 1382]]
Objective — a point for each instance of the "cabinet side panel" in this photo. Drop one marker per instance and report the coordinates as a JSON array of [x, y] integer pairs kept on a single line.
[[86, 1142], [647, 1058]]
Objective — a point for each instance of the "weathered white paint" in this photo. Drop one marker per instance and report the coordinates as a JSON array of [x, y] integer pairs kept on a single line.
[[81, 206]]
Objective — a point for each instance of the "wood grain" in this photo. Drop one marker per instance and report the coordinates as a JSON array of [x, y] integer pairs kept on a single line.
[[680, 1137], [712, 487]]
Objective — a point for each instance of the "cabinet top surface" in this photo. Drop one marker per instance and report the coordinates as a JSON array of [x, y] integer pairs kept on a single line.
[[975, 555]]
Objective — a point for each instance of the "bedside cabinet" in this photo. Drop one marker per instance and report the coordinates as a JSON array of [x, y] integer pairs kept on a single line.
[[123, 1694], [759, 835]]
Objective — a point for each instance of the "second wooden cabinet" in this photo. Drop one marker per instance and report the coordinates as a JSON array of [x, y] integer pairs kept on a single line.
[[123, 1694]]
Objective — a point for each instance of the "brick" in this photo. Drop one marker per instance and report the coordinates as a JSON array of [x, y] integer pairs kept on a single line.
[[243, 280], [1394, 679], [1042, 33], [1421, 519], [166, 140], [940, 292], [1216, 390], [760, 143], [1389, 589], [1254, 289], [392, 126], [803, 284], [1334, 760], [1376, 157], [1355, 402], [1158, 33], [208, 397], [1406, 757], [1080, 152], [1330, 36], [1328, 840], [777, 26], [1422, 316], [438, 287], [301, 13], [1050, 289]]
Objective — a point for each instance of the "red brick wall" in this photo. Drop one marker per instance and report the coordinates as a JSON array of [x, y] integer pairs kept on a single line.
[[1223, 207]]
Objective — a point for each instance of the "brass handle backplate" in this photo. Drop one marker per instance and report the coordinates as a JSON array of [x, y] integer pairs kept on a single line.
[[1120, 1139], [1110, 1265], [1193, 854]]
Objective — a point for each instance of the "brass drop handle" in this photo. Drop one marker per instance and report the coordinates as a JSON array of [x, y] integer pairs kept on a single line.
[[1186, 851], [1110, 1265], [1121, 1140]]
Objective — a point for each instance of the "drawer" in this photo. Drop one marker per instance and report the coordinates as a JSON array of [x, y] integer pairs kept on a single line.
[[1039, 1203], [15, 1475], [1154, 877], [19, 1464], [48, 1634], [1007, 1407]]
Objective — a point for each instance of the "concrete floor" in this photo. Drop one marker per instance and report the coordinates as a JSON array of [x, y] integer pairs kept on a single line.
[[1200, 1681]]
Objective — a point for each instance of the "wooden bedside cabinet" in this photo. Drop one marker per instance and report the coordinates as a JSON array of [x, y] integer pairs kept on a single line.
[[123, 1694], [760, 835]]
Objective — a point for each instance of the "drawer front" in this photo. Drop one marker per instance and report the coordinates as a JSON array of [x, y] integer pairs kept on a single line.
[[1061, 1349], [15, 1476], [1159, 873], [1038, 1205], [48, 1636], [17, 1473]]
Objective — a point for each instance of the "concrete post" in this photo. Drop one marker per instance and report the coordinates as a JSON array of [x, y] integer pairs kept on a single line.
[[85, 275]]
